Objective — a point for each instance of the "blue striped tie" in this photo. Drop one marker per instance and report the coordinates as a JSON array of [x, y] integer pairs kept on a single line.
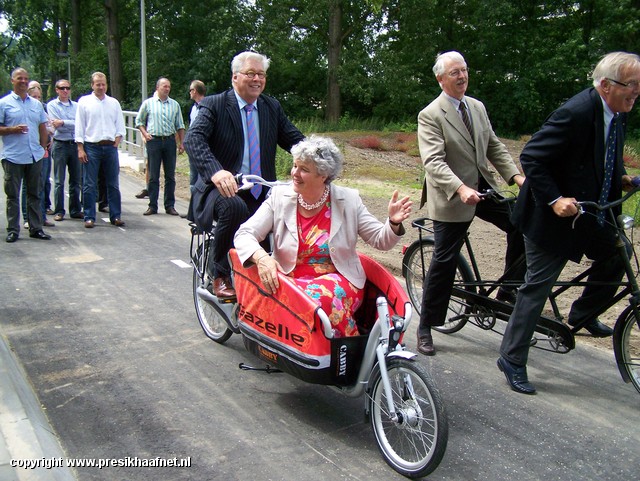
[[254, 150], [610, 160]]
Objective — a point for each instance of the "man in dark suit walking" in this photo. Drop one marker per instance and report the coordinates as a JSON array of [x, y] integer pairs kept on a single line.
[[575, 156], [237, 131]]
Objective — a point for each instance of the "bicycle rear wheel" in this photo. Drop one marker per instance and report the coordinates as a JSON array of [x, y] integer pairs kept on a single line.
[[415, 264], [211, 320], [626, 344], [415, 443]]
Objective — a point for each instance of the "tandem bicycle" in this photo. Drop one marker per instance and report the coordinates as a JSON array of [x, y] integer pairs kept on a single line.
[[472, 301]]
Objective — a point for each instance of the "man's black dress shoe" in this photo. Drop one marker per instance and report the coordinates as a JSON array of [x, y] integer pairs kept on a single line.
[[597, 328], [425, 345], [77, 215], [12, 237], [171, 211], [507, 295], [142, 194], [103, 208], [39, 235], [516, 377], [150, 211]]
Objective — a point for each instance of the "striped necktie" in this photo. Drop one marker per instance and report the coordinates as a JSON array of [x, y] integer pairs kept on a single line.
[[609, 163], [254, 150], [465, 118]]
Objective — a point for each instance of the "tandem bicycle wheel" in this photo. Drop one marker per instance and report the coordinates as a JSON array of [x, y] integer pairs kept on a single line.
[[211, 320], [626, 344], [415, 442], [415, 263]]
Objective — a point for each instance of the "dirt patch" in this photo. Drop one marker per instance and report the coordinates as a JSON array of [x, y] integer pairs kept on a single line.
[[377, 173]]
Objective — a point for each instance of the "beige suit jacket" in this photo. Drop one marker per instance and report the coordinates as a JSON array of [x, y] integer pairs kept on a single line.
[[452, 158], [349, 219]]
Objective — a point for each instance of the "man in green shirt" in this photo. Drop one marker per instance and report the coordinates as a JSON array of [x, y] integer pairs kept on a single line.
[[160, 121]]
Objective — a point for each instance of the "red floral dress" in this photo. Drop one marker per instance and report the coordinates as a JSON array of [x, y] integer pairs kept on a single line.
[[316, 275]]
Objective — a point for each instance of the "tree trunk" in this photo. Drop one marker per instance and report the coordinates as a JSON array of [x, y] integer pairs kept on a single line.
[[76, 32], [334, 100], [113, 50]]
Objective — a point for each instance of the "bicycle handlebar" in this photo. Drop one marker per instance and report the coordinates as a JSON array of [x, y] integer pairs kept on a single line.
[[609, 205], [246, 181]]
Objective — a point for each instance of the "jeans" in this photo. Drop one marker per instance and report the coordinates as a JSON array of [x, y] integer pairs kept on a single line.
[[162, 151], [65, 156], [107, 157]]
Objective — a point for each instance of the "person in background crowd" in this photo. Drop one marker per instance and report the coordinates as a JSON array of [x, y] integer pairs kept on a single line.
[[197, 91], [35, 91], [160, 121], [575, 156], [237, 131], [47, 180], [457, 144], [23, 125], [62, 112], [99, 130]]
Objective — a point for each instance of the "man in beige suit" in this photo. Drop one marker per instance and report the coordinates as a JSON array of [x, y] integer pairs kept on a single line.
[[457, 143]]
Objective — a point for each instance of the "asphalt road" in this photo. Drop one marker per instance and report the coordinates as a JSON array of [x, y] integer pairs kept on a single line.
[[103, 322]]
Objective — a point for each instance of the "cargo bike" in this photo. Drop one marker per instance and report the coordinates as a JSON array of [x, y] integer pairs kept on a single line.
[[292, 334]]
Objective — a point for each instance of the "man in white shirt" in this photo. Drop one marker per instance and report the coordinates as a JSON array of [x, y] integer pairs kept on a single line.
[[99, 130]]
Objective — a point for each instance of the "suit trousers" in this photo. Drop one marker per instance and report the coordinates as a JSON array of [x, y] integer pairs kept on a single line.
[[543, 269], [448, 240], [229, 213]]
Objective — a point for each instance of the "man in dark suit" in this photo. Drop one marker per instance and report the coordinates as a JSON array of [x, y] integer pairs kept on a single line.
[[237, 131], [576, 155], [457, 146]]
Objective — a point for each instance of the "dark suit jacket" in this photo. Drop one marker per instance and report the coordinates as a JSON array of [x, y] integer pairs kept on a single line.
[[566, 158], [215, 141]]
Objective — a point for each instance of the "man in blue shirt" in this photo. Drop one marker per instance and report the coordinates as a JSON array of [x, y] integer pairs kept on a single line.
[[62, 112], [24, 135]]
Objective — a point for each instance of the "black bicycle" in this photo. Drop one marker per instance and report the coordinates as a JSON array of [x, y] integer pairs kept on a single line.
[[472, 301]]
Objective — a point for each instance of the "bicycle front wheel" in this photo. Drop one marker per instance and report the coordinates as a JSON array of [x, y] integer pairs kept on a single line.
[[415, 442], [626, 344], [212, 322], [415, 264]]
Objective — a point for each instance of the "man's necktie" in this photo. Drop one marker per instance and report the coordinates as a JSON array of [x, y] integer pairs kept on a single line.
[[254, 150], [465, 118], [609, 163]]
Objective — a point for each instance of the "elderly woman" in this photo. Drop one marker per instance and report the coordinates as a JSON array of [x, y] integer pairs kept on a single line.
[[315, 225]]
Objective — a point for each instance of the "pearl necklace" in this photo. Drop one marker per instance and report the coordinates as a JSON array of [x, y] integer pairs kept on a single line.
[[322, 200]]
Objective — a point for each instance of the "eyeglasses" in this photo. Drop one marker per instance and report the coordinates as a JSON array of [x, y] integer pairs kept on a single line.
[[457, 72], [633, 84], [251, 74], [63, 88]]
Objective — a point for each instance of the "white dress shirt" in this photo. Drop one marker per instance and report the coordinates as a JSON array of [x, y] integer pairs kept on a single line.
[[98, 120]]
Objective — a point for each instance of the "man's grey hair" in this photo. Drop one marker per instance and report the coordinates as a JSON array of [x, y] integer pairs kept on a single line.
[[438, 67], [612, 65], [323, 152], [239, 60]]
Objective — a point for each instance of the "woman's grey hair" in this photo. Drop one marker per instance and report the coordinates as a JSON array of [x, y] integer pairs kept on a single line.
[[612, 66], [322, 152], [239, 60], [438, 67]]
